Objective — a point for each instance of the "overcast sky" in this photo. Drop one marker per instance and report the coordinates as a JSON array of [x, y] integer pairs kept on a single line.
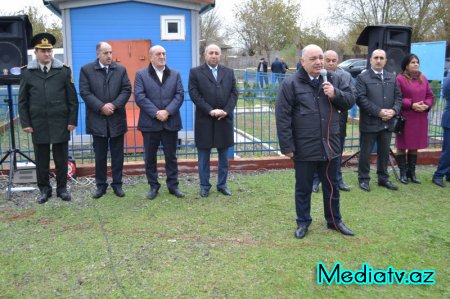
[[311, 10]]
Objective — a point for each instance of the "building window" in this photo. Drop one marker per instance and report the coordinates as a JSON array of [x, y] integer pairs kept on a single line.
[[173, 27]]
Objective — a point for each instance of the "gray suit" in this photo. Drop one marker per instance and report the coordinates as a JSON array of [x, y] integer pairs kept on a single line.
[[152, 95]]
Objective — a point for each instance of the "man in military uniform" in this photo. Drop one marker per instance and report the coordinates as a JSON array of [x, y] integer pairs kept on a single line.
[[48, 109]]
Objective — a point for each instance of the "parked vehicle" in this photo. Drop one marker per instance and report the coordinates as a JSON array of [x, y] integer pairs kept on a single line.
[[58, 53], [353, 66]]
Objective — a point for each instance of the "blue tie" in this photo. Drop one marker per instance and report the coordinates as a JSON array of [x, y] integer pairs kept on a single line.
[[214, 71], [315, 82]]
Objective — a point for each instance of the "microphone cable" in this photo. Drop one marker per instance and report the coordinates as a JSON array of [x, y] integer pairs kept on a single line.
[[329, 160]]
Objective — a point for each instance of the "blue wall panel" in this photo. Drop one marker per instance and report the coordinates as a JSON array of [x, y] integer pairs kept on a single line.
[[130, 21], [432, 58]]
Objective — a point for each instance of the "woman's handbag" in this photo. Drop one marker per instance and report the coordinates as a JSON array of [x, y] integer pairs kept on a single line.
[[399, 124]]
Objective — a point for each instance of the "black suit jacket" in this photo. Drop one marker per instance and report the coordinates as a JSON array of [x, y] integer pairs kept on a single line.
[[208, 94]]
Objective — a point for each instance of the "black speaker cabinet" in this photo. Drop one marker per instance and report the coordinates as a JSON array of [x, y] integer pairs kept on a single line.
[[395, 40], [15, 36]]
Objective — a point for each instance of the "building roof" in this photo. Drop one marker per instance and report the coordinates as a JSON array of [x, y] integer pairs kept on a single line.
[[57, 5]]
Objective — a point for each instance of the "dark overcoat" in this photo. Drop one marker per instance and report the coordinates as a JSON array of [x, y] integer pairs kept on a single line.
[[152, 95], [208, 94], [346, 79], [48, 103], [446, 93], [97, 89], [307, 121]]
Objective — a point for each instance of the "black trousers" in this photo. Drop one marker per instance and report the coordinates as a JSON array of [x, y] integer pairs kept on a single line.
[[383, 139], [60, 157], [152, 140], [304, 174], [115, 145]]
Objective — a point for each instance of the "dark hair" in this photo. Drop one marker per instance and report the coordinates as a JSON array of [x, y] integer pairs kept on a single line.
[[407, 59]]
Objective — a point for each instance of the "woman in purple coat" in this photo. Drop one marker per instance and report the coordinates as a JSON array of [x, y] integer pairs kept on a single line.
[[417, 101]]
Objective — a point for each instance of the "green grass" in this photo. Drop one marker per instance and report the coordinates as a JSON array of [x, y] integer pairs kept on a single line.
[[236, 247]]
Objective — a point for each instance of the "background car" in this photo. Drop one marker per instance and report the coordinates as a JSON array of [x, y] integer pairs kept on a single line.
[[353, 66]]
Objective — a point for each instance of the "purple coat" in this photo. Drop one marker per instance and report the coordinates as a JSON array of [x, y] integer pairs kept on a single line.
[[415, 134]]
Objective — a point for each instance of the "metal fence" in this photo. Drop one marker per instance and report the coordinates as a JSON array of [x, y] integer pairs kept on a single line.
[[254, 129]]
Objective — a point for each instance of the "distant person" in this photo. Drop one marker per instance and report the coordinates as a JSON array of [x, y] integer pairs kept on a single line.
[[106, 89], [48, 110], [443, 168], [285, 66], [299, 64], [331, 60], [379, 100], [277, 71], [212, 88], [417, 102], [262, 72], [307, 118], [159, 93]]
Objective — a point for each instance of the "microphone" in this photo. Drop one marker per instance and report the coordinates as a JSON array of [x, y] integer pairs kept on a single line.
[[323, 73]]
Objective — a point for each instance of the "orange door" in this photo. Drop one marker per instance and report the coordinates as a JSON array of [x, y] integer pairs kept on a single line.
[[134, 55]]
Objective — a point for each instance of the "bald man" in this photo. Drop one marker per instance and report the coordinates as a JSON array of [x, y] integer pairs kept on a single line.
[[379, 99], [159, 93], [106, 89], [331, 61], [307, 117], [212, 88]]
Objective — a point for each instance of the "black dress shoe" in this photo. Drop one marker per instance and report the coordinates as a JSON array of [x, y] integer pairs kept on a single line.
[[152, 194], [99, 192], [438, 181], [447, 179], [204, 193], [388, 185], [340, 227], [315, 188], [177, 193], [118, 191], [344, 187], [43, 197], [224, 191], [365, 186], [300, 232], [64, 195]]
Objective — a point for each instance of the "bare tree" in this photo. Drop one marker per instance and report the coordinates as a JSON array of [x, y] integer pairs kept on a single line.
[[266, 25], [40, 24], [426, 17], [210, 30]]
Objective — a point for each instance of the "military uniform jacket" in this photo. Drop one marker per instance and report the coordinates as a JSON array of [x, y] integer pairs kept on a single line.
[[48, 102]]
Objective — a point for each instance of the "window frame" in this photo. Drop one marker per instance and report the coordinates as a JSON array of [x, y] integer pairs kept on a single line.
[[180, 20]]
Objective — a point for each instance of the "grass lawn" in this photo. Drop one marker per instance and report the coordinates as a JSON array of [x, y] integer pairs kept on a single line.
[[236, 247]]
